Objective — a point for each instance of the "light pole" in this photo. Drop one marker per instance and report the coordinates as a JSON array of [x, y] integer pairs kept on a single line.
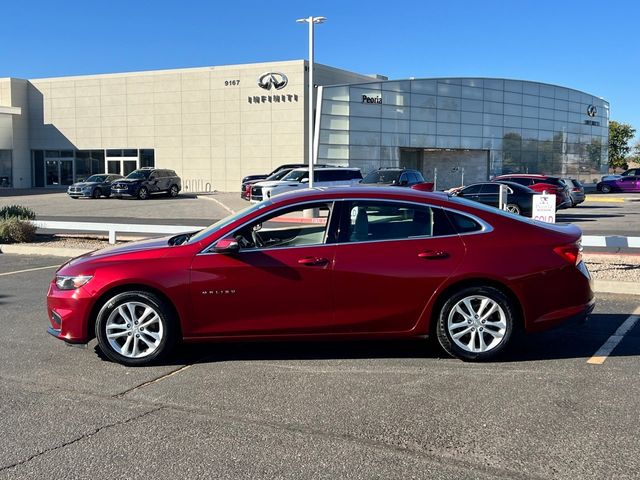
[[311, 21]]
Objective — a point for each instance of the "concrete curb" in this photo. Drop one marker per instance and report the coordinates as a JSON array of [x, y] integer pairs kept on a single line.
[[599, 286], [48, 251]]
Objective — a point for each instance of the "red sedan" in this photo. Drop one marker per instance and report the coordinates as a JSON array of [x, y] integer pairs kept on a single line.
[[337, 263]]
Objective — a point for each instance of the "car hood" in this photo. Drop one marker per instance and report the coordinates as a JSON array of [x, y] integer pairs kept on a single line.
[[275, 183], [85, 184], [132, 247], [128, 180], [611, 177]]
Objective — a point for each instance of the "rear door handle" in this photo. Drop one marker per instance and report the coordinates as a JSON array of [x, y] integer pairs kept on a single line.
[[313, 261], [433, 254]]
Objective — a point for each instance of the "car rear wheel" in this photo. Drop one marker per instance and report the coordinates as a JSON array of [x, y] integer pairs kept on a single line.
[[143, 193], [475, 323], [513, 208], [606, 188], [97, 193], [135, 328], [173, 191]]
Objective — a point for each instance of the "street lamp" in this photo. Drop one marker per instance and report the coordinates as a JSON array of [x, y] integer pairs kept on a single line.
[[311, 21]]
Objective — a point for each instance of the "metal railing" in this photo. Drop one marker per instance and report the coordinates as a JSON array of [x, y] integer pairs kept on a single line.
[[113, 228]]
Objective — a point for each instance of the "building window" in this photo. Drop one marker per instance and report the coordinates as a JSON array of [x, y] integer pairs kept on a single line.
[[5, 168], [147, 157]]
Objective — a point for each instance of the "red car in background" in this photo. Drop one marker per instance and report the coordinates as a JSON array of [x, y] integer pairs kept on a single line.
[[540, 184], [368, 262]]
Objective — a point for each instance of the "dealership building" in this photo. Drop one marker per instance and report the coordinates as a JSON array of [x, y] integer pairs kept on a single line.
[[214, 125]]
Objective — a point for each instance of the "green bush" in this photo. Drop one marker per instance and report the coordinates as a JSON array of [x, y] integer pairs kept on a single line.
[[17, 211], [14, 230]]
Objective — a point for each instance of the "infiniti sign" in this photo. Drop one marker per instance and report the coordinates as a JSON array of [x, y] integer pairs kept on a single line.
[[592, 110], [276, 80]]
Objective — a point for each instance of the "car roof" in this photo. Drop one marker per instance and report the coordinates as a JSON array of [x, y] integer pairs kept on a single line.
[[361, 191], [525, 175], [501, 182], [304, 169]]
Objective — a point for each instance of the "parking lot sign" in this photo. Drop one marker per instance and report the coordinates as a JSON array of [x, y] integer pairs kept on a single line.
[[544, 208]]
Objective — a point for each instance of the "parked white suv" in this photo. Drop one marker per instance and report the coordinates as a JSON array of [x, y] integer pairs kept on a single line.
[[299, 178]]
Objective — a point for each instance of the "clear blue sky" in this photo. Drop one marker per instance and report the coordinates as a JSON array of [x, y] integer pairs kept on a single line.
[[588, 45]]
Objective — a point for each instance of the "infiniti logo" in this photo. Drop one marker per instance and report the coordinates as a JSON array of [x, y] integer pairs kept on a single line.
[[276, 80], [592, 110]]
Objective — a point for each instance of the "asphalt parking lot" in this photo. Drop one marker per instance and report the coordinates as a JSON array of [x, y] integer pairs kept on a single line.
[[316, 410]]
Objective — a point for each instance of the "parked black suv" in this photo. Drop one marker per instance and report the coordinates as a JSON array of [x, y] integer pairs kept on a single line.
[[147, 181]]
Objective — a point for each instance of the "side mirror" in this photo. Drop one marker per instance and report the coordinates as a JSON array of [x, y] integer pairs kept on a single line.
[[304, 180], [227, 245]]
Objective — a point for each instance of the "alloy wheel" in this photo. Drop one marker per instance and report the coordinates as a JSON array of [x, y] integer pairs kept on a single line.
[[477, 324], [134, 330]]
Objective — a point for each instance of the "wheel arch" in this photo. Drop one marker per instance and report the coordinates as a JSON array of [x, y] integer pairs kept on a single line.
[[106, 295], [453, 288]]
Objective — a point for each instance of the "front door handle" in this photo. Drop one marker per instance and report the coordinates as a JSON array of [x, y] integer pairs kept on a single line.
[[313, 261], [433, 254]]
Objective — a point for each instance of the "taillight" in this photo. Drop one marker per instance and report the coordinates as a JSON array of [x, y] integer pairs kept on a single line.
[[572, 252]]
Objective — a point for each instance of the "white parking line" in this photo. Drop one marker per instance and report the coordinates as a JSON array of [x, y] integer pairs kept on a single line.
[[612, 342], [28, 270]]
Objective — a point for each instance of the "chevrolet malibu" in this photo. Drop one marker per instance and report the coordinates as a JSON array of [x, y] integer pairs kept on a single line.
[[351, 262]]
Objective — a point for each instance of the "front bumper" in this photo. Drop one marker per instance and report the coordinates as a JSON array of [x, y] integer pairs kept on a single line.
[[122, 192], [68, 312], [80, 193]]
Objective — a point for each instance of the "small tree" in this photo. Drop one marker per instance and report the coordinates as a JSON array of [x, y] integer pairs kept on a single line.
[[619, 136]]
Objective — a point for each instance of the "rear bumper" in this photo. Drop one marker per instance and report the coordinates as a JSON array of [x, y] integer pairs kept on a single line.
[[575, 314]]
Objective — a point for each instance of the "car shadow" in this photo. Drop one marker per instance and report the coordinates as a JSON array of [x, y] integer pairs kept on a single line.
[[3, 298], [587, 217], [574, 341], [160, 197]]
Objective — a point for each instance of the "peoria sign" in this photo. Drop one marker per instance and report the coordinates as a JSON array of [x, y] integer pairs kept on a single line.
[[368, 99]]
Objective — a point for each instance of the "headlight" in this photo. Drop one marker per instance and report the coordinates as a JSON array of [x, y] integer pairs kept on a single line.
[[65, 282]]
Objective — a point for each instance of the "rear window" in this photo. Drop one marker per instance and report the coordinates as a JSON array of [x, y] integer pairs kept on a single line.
[[381, 176], [462, 223], [550, 180], [322, 175]]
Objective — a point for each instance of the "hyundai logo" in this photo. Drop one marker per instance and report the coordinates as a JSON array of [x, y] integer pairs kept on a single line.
[[592, 110], [276, 80]]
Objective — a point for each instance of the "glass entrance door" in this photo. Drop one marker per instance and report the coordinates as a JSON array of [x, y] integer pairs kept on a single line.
[[58, 172], [52, 172]]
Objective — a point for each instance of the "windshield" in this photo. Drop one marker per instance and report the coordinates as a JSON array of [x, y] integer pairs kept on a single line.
[[227, 220], [278, 175], [139, 174], [96, 178], [296, 175], [381, 176]]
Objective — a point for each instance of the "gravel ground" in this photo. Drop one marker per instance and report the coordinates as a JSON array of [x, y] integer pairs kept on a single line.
[[624, 268]]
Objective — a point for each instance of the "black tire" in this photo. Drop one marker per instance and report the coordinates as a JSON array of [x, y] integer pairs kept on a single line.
[[110, 318], [173, 191], [97, 193], [605, 188], [513, 208], [490, 332], [143, 193]]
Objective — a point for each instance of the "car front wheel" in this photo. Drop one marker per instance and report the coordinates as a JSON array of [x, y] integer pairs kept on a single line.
[[143, 193], [97, 193], [475, 323], [135, 328], [173, 191], [605, 189]]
